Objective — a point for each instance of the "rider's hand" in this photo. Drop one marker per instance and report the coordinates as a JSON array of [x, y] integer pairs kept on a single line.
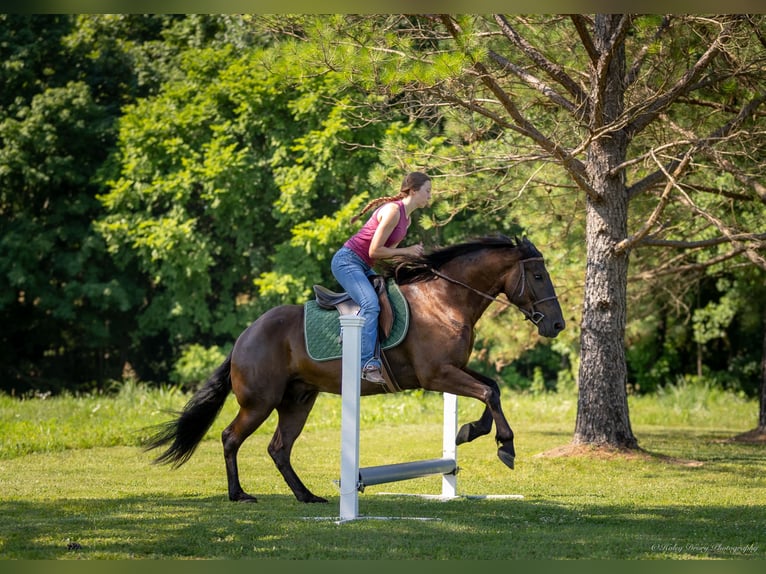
[[415, 250]]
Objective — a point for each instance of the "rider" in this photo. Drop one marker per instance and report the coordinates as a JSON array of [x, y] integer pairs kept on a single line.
[[378, 239]]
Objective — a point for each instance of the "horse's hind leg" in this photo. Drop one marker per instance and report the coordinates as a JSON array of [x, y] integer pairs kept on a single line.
[[243, 425], [293, 413]]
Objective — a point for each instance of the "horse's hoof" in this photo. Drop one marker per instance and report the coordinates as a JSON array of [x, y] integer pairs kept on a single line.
[[311, 499], [244, 497], [463, 435], [507, 458]]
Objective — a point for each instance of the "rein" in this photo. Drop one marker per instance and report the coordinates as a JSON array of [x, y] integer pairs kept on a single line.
[[533, 315]]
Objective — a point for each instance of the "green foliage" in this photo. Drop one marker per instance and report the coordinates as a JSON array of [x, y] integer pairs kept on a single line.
[[711, 321], [538, 369], [166, 178], [653, 355], [67, 307], [195, 366], [31, 56], [60, 296], [239, 192], [720, 338]]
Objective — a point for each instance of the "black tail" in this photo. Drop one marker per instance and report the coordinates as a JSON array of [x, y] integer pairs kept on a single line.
[[194, 420]]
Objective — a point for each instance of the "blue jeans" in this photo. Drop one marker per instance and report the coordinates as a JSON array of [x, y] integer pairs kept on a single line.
[[353, 275]]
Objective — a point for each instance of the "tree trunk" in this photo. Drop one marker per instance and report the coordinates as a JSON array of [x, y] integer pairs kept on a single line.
[[602, 407], [758, 434], [762, 412]]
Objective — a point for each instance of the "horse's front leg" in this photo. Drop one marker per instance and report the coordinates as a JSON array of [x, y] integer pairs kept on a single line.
[[481, 427], [451, 379]]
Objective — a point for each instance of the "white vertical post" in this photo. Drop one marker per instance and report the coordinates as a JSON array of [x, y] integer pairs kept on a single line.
[[449, 448], [351, 332]]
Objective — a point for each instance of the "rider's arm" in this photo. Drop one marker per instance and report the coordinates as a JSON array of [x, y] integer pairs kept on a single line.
[[388, 217]]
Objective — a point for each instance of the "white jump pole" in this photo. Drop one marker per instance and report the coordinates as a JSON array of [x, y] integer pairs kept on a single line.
[[351, 330], [449, 447], [352, 478]]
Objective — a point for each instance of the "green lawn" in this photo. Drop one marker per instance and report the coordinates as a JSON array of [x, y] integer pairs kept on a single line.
[[75, 484]]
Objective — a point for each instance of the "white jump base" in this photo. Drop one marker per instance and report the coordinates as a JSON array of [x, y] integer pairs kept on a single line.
[[354, 479]]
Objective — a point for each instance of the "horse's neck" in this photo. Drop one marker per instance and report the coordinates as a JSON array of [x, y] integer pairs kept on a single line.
[[486, 274], [475, 282]]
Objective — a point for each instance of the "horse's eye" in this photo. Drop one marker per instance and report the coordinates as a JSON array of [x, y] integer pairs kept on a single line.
[[538, 277]]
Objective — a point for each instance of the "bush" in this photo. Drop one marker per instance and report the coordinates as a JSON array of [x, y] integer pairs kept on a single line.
[[196, 364]]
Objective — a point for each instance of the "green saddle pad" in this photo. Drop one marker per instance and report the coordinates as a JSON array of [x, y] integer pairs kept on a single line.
[[322, 326]]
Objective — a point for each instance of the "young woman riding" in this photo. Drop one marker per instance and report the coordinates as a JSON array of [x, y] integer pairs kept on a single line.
[[379, 237]]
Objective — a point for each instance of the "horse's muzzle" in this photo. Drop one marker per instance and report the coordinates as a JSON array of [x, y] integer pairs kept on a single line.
[[550, 328]]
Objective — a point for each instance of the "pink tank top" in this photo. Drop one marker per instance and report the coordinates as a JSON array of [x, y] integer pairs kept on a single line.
[[360, 242]]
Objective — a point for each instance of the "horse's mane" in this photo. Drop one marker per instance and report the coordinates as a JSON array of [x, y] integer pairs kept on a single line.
[[414, 269]]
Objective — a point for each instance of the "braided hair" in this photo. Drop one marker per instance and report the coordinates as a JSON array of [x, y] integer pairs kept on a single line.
[[412, 182]]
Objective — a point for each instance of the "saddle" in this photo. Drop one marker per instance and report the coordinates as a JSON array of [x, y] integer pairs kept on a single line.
[[345, 305], [323, 333]]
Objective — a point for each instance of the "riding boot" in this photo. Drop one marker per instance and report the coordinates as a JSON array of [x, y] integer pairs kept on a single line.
[[372, 371]]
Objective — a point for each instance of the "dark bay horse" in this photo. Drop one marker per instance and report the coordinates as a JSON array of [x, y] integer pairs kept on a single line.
[[447, 291]]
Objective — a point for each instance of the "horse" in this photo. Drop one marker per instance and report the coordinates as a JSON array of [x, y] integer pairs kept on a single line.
[[447, 291]]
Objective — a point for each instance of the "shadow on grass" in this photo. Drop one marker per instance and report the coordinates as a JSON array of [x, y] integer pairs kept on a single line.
[[278, 527]]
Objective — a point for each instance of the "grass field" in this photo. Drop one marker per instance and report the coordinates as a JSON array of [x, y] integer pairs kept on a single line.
[[74, 484]]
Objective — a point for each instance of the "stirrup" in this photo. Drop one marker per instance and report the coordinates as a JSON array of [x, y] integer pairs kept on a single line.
[[373, 368], [373, 374]]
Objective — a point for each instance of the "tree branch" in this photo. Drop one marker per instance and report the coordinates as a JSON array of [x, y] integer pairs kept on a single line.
[[581, 25], [757, 30], [481, 110], [629, 242], [746, 111], [724, 192], [640, 158], [533, 82], [651, 180], [678, 244], [668, 270], [632, 74], [750, 253], [744, 179], [722, 132], [657, 105], [553, 70], [575, 167]]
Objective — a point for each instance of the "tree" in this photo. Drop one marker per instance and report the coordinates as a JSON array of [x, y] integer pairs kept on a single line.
[[59, 297], [655, 119], [233, 206], [65, 308]]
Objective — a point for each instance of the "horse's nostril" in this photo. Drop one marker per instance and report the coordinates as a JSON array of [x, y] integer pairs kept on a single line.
[[559, 326]]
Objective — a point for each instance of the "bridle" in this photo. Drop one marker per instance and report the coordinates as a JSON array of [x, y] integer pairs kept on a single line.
[[534, 315]]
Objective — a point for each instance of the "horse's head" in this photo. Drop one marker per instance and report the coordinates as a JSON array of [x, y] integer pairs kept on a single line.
[[488, 265], [530, 288]]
